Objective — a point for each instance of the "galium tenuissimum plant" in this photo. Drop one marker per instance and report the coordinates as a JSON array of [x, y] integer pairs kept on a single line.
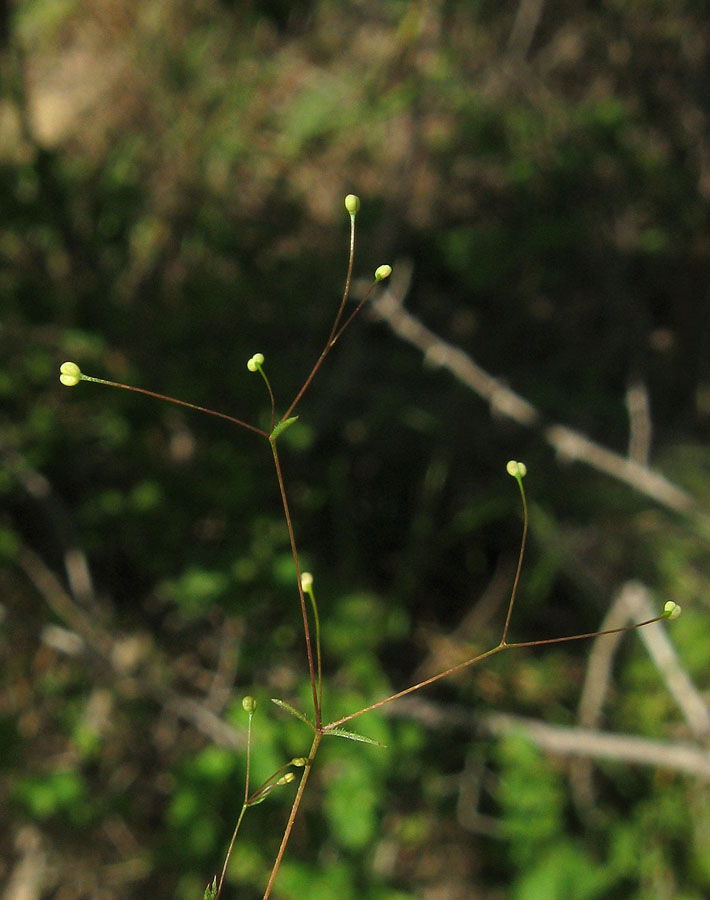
[[71, 375]]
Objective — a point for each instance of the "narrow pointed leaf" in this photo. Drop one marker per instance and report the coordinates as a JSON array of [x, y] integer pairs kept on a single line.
[[282, 426], [294, 712], [354, 736]]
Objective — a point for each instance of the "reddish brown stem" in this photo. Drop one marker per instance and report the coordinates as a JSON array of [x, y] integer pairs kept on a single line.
[[326, 350], [481, 656], [304, 611], [292, 817], [156, 396], [348, 279]]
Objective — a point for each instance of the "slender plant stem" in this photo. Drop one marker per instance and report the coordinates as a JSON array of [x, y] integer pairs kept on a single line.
[[229, 851], [243, 810], [155, 395], [271, 395], [294, 810], [481, 656], [348, 279], [337, 329], [417, 687], [581, 637], [248, 765], [519, 568], [326, 350], [304, 610], [352, 315], [318, 650]]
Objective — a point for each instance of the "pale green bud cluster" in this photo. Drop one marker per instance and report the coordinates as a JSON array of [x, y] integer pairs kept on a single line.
[[516, 469], [255, 362], [70, 374], [382, 272], [248, 704]]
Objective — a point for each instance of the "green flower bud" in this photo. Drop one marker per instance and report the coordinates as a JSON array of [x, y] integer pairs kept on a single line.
[[287, 778], [306, 580], [516, 469], [248, 704], [382, 272], [256, 361], [299, 761], [671, 610], [70, 374], [352, 203]]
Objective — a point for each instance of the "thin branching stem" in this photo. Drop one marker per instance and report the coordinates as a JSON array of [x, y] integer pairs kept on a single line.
[[348, 279], [319, 661], [304, 610], [248, 764], [326, 350], [294, 810], [267, 786], [581, 637], [518, 470], [155, 395], [271, 395], [519, 568], [243, 810], [318, 654], [481, 656], [229, 851], [352, 315], [335, 331], [418, 686]]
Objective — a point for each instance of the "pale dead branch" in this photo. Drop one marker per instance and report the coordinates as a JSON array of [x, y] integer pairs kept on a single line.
[[560, 740]]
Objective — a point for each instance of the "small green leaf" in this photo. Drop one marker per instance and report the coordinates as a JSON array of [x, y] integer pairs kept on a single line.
[[354, 736], [260, 797], [211, 890], [282, 426], [294, 712]]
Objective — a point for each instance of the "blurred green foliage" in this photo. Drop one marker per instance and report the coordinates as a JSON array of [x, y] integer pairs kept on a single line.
[[172, 178]]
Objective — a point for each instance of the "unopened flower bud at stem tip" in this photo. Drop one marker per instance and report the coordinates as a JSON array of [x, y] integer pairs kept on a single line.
[[306, 580], [352, 203], [516, 469], [248, 704], [70, 374], [382, 272], [671, 610], [256, 360]]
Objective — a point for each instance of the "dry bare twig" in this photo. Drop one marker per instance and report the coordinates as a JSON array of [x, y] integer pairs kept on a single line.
[[679, 756]]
